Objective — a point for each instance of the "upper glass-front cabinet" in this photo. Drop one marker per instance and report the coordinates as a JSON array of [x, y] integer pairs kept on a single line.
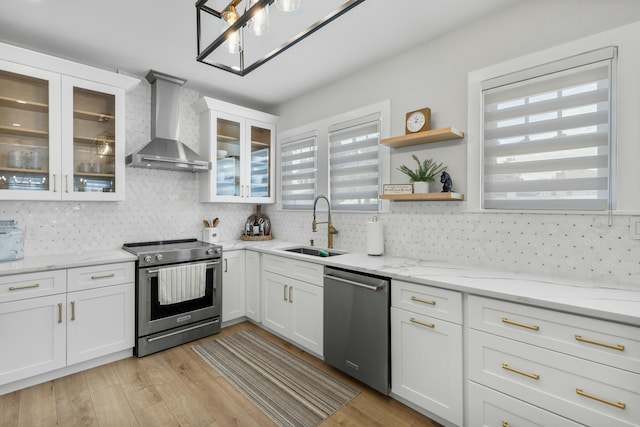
[[29, 132], [61, 137], [93, 136], [240, 143]]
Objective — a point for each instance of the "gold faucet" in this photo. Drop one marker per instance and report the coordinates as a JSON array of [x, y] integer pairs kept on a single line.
[[331, 230]]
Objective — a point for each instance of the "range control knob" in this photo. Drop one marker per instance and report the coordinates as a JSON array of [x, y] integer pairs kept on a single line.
[[159, 257], [147, 258], [209, 251]]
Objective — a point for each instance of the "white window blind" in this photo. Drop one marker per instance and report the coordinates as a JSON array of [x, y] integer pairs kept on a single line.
[[354, 164], [548, 135], [298, 172]]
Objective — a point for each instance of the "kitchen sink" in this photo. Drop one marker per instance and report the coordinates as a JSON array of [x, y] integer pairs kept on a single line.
[[305, 250]]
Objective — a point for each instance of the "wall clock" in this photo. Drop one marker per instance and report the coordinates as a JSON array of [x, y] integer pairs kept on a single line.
[[417, 121]]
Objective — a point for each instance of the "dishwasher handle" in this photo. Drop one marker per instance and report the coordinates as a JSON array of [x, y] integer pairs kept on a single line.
[[351, 282]]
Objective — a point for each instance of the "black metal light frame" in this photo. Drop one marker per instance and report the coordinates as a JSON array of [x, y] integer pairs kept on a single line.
[[201, 6]]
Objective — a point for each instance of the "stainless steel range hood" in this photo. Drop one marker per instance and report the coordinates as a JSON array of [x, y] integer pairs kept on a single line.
[[165, 151]]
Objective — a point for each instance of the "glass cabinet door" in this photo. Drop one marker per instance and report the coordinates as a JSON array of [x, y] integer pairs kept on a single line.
[[261, 158], [94, 141], [228, 157], [26, 133]]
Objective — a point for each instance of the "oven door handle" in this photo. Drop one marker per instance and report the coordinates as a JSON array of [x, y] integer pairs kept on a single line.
[[209, 264]]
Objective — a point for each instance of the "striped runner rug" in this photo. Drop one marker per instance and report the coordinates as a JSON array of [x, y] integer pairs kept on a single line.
[[289, 390]]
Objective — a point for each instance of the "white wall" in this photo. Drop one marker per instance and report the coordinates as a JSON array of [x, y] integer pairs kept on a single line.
[[435, 75]]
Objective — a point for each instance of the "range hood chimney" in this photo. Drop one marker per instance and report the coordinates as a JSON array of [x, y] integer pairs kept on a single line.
[[165, 151]]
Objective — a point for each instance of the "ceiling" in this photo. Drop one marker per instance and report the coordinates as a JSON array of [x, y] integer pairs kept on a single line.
[[134, 36]]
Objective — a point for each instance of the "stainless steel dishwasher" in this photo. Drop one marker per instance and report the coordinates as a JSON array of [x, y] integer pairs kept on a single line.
[[356, 326]]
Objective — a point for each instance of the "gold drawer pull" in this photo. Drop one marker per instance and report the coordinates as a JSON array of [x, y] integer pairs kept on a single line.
[[428, 325], [599, 399], [430, 302], [103, 276], [505, 424], [17, 288], [602, 344], [522, 325], [59, 312], [518, 371]]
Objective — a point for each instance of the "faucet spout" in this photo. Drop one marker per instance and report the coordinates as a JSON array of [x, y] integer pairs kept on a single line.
[[331, 230]]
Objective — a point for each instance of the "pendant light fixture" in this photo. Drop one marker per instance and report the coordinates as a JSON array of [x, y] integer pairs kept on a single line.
[[268, 35]]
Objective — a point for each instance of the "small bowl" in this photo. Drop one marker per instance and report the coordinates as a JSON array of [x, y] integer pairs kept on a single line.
[[222, 154]]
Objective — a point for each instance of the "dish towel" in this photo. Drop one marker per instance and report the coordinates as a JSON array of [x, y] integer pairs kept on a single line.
[[182, 283]]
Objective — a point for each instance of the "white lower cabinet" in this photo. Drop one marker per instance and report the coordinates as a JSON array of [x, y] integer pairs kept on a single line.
[[292, 307], [252, 272], [489, 408], [426, 351], [89, 314], [581, 369], [233, 289], [33, 337], [99, 322]]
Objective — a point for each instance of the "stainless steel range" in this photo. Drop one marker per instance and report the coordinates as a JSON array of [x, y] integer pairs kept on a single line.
[[178, 292]]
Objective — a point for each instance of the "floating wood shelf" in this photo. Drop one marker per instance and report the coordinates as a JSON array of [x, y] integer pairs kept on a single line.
[[426, 137], [424, 197]]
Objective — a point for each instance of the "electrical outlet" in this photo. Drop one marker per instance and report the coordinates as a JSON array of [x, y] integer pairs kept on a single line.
[[634, 227]]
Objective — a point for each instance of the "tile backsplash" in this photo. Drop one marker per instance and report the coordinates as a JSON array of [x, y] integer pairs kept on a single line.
[[164, 205]]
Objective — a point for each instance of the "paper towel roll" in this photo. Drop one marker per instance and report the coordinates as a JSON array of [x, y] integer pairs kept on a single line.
[[375, 238]]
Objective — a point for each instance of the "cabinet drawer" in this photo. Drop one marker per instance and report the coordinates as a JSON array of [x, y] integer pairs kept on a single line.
[[489, 408], [429, 301], [605, 342], [97, 276], [578, 389], [306, 271], [30, 285]]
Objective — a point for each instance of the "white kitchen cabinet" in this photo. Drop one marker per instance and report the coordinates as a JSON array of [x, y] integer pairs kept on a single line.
[[240, 143], [253, 268], [582, 369], [55, 319], [33, 336], [233, 289], [62, 129], [426, 351], [292, 300]]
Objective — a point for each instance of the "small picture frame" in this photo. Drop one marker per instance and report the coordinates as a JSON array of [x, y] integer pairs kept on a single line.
[[397, 188]]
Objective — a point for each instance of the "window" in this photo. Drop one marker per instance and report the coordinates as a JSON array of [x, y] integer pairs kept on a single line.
[[548, 135], [298, 172], [354, 164]]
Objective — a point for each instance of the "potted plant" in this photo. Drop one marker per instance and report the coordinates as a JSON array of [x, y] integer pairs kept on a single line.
[[421, 177]]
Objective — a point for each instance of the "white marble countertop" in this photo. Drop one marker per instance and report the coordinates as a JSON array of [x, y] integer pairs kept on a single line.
[[606, 301], [62, 261]]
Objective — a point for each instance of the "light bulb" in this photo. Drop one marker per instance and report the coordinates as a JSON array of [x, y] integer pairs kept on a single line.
[[234, 41], [260, 23], [288, 5]]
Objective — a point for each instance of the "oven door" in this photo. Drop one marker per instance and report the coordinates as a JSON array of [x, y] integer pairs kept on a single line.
[[153, 317]]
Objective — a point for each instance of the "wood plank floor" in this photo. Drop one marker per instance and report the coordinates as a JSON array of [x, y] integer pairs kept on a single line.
[[177, 388]]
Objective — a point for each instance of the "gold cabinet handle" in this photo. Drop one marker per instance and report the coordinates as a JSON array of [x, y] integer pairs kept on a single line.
[[73, 310], [522, 325], [428, 325], [17, 288], [424, 301], [291, 294], [55, 183], [619, 405], [59, 312], [102, 276], [518, 371], [505, 424], [285, 292], [618, 347], [66, 183]]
